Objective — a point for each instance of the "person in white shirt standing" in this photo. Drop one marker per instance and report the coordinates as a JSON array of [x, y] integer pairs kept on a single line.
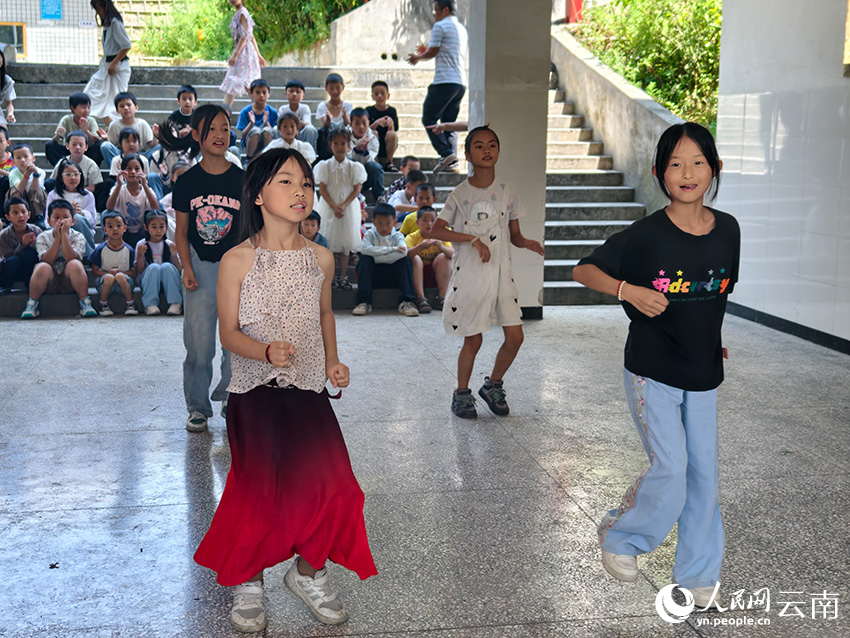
[[449, 47]]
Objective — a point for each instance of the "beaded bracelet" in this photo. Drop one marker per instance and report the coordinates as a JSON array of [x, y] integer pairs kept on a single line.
[[620, 290]]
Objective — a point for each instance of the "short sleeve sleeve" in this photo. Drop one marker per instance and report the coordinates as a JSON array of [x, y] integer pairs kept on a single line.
[[320, 173], [304, 113], [514, 206], [78, 244], [8, 93], [132, 251], [410, 240], [119, 35], [321, 111], [450, 211], [358, 174], [180, 195], [608, 256], [95, 257], [397, 198], [43, 243], [242, 122], [436, 36]]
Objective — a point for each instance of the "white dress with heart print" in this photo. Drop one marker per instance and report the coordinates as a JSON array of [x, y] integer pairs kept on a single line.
[[481, 295]]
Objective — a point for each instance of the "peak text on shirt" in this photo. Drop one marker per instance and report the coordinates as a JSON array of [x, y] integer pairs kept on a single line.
[[216, 200]]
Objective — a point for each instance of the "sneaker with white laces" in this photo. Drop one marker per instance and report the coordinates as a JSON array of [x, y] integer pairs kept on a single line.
[[105, 310], [316, 593], [151, 311], [494, 395], [408, 309], [444, 163], [130, 309], [620, 566], [248, 613], [362, 309], [31, 311], [196, 422], [86, 309], [174, 310]]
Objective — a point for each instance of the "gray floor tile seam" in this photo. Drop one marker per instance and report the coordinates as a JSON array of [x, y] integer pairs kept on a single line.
[[106, 508]]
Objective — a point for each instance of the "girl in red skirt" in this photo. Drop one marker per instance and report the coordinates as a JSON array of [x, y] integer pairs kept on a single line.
[[290, 489]]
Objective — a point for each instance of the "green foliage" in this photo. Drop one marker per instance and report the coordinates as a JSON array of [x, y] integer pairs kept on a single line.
[[200, 29], [669, 48]]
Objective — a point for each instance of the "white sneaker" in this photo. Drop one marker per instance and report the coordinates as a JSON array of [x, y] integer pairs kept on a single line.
[[444, 163], [620, 566], [196, 422], [362, 309], [248, 613], [152, 310], [703, 598], [130, 309], [105, 310], [174, 310], [408, 309], [316, 593]]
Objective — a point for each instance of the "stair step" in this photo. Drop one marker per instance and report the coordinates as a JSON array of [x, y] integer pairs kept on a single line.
[[558, 269], [575, 134], [571, 293], [570, 248], [561, 108], [578, 162], [557, 122], [573, 194], [583, 229], [589, 211]]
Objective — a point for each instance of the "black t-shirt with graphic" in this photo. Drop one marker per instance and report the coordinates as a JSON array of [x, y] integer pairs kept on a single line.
[[681, 347], [212, 202]]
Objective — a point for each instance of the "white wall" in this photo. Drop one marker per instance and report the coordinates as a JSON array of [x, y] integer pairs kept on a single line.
[[784, 136], [55, 41]]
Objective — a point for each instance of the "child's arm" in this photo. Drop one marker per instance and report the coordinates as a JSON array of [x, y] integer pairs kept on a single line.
[[112, 200], [259, 55], [323, 191], [518, 240], [141, 249], [650, 302], [353, 195], [152, 200], [175, 256], [68, 251], [239, 45], [337, 372], [440, 231]]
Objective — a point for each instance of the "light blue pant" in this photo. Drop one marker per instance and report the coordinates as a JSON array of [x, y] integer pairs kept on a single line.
[[109, 152], [308, 134], [200, 315], [678, 430], [83, 226], [165, 276]]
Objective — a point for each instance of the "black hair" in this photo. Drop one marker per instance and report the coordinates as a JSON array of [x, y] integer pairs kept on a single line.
[[19, 146], [315, 217], [126, 95], [426, 187], [60, 185], [425, 209], [383, 210], [289, 115], [187, 88], [60, 203], [126, 133], [339, 131], [408, 158], [2, 72], [75, 99], [109, 9], [700, 136], [110, 214], [153, 213], [176, 166], [467, 144], [295, 84], [259, 173], [3, 128], [445, 4], [126, 159], [415, 176], [202, 119], [171, 141], [11, 202], [359, 112], [381, 83], [258, 83], [334, 78], [77, 133]]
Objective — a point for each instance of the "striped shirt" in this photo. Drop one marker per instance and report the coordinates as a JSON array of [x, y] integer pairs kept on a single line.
[[450, 64]]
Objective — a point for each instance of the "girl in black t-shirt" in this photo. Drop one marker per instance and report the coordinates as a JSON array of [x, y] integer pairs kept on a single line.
[[673, 271]]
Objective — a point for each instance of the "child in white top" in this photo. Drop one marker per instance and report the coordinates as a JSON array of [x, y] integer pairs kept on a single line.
[[71, 186], [331, 114], [131, 196], [482, 293], [287, 126], [158, 266], [340, 181], [294, 96]]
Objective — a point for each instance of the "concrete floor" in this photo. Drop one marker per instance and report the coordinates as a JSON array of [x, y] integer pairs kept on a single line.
[[479, 529]]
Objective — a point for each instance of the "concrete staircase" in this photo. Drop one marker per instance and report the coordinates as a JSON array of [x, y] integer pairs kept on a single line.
[[585, 198]]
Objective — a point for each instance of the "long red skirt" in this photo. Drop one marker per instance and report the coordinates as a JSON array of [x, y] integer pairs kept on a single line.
[[290, 489]]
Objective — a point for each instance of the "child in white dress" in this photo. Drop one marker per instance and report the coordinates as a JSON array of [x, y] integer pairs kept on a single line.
[[482, 293], [340, 180]]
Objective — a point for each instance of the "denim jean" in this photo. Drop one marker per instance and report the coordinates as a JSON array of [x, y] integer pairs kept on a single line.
[[200, 316], [82, 225], [371, 275], [678, 429], [165, 276], [308, 134], [374, 179], [18, 268], [442, 103], [109, 152]]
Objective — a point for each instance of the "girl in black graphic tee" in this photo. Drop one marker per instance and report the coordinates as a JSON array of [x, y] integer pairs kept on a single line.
[[673, 272]]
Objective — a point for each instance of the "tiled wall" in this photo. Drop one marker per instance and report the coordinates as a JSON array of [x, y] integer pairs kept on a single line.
[[784, 135], [56, 41]]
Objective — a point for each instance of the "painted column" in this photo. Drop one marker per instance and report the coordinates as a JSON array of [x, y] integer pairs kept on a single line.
[[508, 84]]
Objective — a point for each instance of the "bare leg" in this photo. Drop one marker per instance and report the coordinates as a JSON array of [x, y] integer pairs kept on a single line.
[[228, 99], [251, 145], [305, 569], [106, 287], [79, 278], [267, 138], [443, 273], [466, 360], [124, 285], [508, 351], [41, 276], [418, 276], [343, 264], [258, 577], [391, 142]]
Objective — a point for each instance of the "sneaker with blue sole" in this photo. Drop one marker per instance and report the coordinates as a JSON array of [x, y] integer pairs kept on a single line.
[[86, 309], [31, 311]]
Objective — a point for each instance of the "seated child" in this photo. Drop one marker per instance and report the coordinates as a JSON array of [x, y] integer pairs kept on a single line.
[[310, 229], [171, 149], [77, 143], [408, 163], [177, 169], [432, 260], [130, 196], [79, 120], [18, 255], [332, 114], [425, 197], [71, 186], [6, 163], [287, 126], [158, 266], [60, 250], [180, 119], [364, 149], [257, 120], [384, 121], [126, 105], [294, 94], [114, 264], [404, 201], [383, 264], [128, 141], [25, 181]]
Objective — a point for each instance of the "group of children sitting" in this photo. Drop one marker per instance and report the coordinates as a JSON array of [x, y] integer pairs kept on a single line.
[[350, 148]]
